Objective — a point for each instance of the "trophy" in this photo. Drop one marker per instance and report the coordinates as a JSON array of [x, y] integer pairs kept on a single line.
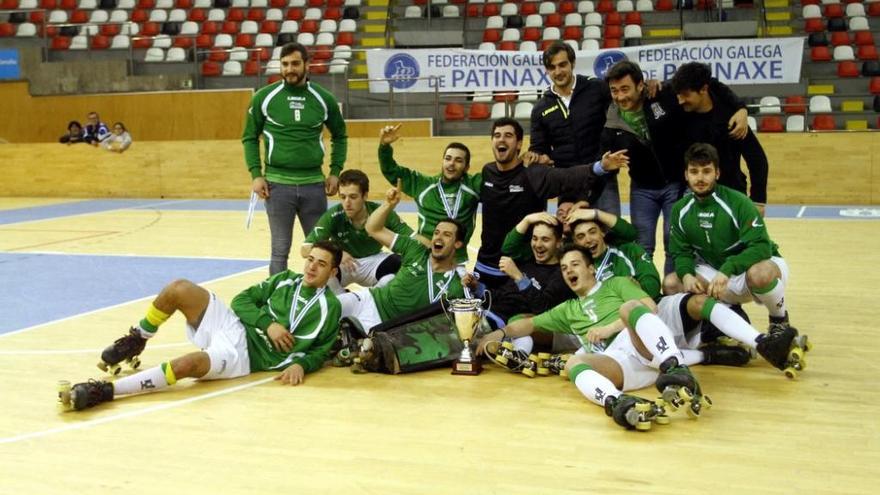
[[466, 316]]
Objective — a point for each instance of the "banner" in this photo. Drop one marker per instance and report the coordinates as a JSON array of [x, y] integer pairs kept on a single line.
[[9, 64], [733, 61]]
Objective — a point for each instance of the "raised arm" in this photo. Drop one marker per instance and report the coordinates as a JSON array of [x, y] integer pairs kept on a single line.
[[375, 225]]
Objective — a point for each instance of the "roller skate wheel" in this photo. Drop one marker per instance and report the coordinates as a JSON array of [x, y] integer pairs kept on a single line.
[[662, 419], [64, 395], [791, 373], [706, 402], [114, 369], [501, 359], [528, 372], [670, 397], [344, 353], [134, 363], [535, 359], [796, 354], [694, 410], [564, 373], [544, 355], [507, 345], [643, 407], [103, 366], [685, 394], [543, 371], [643, 425]]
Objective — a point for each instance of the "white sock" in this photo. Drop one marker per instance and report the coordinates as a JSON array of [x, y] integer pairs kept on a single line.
[[595, 387], [773, 299], [144, 333], [657, 338], [732, 325], [524, 344], [146, 381], [691, 357]]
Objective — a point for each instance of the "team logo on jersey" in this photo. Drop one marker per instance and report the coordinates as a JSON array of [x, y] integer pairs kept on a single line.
[[402, 70], [756, 224], [605, 60], [657, 110], [514, 188]]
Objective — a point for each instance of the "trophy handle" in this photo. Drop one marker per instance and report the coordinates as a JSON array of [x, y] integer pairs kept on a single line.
[[487, 300]]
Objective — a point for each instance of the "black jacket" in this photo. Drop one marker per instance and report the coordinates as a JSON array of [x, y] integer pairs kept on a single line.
[[571, 136]]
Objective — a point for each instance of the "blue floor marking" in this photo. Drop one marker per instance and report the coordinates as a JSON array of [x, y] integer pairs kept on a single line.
[[38, 288]]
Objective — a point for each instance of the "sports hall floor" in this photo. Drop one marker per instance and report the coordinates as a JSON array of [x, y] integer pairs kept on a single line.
[[75, 274]]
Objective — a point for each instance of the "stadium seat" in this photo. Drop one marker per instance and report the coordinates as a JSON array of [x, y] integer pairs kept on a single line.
[[855, 10], [815, 26], [858, 24], [863, 38], [550, 34], [175, 54], [769, 104], [306, 39], [824, 123], [843, 53], [831, 10], [820, 54], [451, 11], [546, 8], [625, 6], [871, 68], [510, 35], [154, 55], [328, 26], [794, 123], [771, 123], [867, 52], [820, 104], [836, 24], [7, 29], [274, 14], [593, 19], [567, 7], [453, 111], [611, 43], [491, 9], [523, 110], [632, 31], [296, 14], [817, 39], [664, 5], [528, 46], [590, 45], [586, 6], [573, 19], [874, 86], [508, 46], [527, 8], [613, 19], [486, 46], [509, 9], [605, 6], [874, 9], [795, 104], [644, 6], [120, 42], [231, 68], [613, 31], [592, 33], [632, 18], [553, 20], [839, 38], [499, 110]]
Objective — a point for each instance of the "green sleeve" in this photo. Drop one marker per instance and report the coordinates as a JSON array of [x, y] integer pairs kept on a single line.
[[627, 289], [517, 246], [338, 137], [679, 248], [407, 247], [475, 181], [250, 138], [622, 232], [752, 233], [395, 224], [320, 350], [251, 304], [554, 319], [646, 273], [321, 230], [412, 182]]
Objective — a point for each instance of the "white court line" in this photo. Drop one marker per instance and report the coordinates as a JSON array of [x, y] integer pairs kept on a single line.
[[800, 212], [39, 325], [129, 255], [132, 414], [30, 352], [148, 205]]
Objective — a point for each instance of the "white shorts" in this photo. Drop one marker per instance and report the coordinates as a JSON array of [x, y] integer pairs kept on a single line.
[[737, 290], [360, 305], [668, 309], [637, 370], [222, 336]]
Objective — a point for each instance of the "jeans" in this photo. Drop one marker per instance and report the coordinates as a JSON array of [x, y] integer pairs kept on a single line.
[[284, 204], [645, 207], [609, 200]]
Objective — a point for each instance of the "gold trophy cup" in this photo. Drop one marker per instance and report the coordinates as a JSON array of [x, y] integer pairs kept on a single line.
[[465, 315]]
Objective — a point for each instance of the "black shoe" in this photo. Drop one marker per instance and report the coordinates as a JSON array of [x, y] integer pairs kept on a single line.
[[779, 323], [725, 355], [126, 348], [90, 394], [633, 412], [774, 346]]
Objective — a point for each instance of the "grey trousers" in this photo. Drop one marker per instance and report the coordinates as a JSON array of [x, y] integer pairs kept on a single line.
[[284, 204]]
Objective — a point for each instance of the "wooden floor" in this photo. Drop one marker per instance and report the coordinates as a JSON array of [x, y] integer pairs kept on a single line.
[[432, 432]]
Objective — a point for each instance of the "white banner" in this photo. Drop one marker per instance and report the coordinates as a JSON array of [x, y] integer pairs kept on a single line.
[[734, 61]]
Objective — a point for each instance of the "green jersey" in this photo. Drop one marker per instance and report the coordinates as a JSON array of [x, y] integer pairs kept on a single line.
[[416, 285], [724, 230], [598, 308], [334, 225], [291, 120], [312, 317], [435, 199], [629, 260]]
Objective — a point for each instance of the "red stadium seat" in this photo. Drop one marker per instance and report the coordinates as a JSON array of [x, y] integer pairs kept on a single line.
[[567, 8], [270, 27], [244, 40], [67, 4], [204, 41], [820, 54], [150, 29], [251, 68], [633, 18], [320, 68], [340, 3], [261, 56], [308, 26], [824, 123], [867, 52], [813, 25], [294, 14], [7, 29], [605, 6], [473, 10], [492, 36], [146, 4], [235, 15], [833, 10], [847, 68], [613, 19], [531, 34], [38, 16], [545, 44], [664, 5], [874, 9], [229, 27], [210, 69], [333, 13], [9, 4], [142, 43], [256, 15], [278, 4], [553, 20], [453, 111], [79, 17], [479, 111], [864, 38], [60, 43], [48, 4], [491, 9], [210, 27], [874, 86], [139, 16], [346, 38], [110, 29], [795, 104], [316, 3], [322, 53], [771, 123], [613, 31], [218, 56], [100, 42], [839, 38], [183, 42], [611, 43], [184, 4], [572, 33], [509, 46], [197, 15], [527, 8]]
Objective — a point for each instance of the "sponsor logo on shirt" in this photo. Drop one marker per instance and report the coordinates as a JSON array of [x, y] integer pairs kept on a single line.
[[296, 98], [549, 110], [488, 184], [515, 189], [295, 105]]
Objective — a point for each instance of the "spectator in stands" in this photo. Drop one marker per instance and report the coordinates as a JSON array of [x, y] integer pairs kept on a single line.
[[96, 131], [708, 121], [74, 133], [290, 116], [567, 121], [119, 140]]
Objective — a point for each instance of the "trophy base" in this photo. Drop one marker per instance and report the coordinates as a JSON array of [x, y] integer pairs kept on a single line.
[[472, 368]]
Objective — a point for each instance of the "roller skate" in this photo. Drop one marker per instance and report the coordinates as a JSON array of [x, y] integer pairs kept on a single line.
[[362, 355], [552, 364], [784, 348], [720, 354], [127, 349], [83, 395], [513, 359], [679, 388], [632, 412], [347, 343]]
